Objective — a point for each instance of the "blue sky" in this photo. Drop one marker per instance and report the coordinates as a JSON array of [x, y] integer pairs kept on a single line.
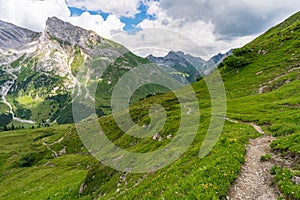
[[130, 22]]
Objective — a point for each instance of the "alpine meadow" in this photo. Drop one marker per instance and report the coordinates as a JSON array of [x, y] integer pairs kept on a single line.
[[44, 76]]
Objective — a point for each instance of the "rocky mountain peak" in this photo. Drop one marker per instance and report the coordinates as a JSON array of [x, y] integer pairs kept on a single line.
[[220, 57], [14, 37], [67, 33], [173, 55]]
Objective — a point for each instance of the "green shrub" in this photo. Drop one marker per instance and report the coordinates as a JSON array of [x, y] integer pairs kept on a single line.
[[26, 160], [234, 62], [5, 119], [242, 51], [266, 157], [23, 113]]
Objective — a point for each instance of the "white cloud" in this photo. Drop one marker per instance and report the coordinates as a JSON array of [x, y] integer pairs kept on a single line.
[[194, 38], [179, 34], [107, 28], [232, 17], [119, 8], [32, 14], [214, 26]]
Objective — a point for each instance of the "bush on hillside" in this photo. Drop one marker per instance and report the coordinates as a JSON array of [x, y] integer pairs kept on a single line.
[[5, 119], [241, 51], [26, 160], [234, 62]]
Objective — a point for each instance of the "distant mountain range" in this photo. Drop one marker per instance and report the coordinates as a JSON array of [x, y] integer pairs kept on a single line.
[[186, 68]]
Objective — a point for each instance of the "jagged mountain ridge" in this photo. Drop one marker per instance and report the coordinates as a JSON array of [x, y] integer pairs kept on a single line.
[[220, 57], [187, 68], [68, 33]]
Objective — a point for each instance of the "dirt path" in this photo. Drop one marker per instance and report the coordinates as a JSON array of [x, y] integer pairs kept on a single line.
[[255, 180], [61, 152]]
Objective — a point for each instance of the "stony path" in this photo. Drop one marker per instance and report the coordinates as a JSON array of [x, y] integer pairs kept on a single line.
[[54, 153], [255, 181]]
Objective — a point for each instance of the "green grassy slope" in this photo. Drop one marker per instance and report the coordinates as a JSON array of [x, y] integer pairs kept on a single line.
[[29, 171], [208, 177], [262, 85], [267, 91]]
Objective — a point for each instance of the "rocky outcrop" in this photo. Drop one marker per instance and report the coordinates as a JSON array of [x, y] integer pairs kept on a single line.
[[67, 33]]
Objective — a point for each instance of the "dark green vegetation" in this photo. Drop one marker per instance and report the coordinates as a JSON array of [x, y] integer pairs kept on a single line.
[[5, 116], [263, 87]]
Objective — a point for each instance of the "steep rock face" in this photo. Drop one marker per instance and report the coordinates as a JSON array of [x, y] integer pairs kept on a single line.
[[14, 37], [70, 34], [44, 71], [195, 61], [54, 59], [220, 57]]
